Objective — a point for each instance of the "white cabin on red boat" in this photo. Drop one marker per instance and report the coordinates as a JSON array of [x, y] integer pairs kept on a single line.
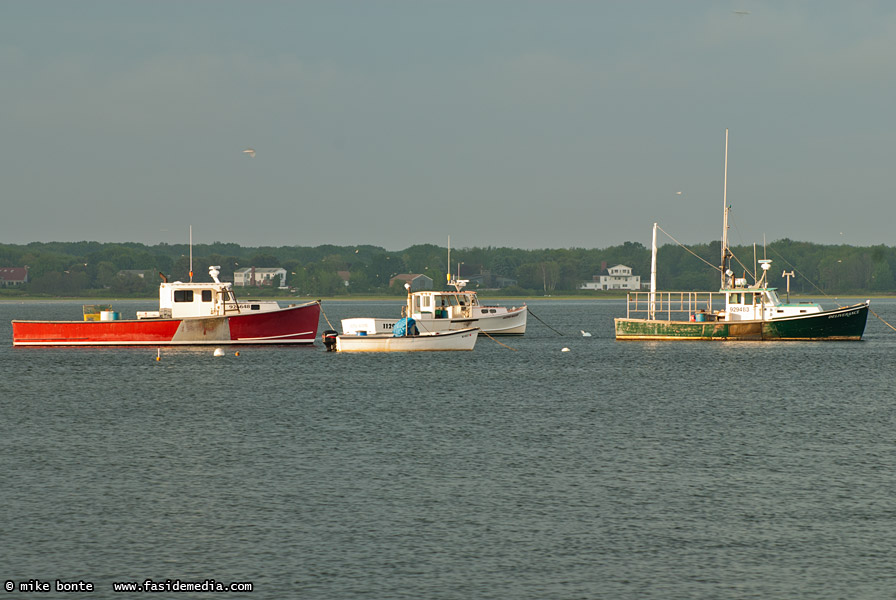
[[179, 300]]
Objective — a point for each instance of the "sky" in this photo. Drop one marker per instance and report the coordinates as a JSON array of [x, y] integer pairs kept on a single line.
[[548, 124]]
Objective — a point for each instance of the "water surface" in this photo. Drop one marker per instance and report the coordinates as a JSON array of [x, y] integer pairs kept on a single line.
[[613, 470]]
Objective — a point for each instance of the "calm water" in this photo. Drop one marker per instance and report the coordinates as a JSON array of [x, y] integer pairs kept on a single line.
[[614, 470]]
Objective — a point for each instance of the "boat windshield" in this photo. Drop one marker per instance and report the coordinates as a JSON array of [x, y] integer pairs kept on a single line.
[[754, 297]]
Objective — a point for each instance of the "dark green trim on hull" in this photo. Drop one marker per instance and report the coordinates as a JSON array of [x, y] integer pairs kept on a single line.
[[842, 324]]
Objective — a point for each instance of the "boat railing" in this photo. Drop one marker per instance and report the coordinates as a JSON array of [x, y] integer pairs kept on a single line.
[[230, 303], [671, 306]]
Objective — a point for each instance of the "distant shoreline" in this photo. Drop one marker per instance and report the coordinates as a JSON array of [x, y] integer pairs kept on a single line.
[[295, 300], [398, 299]]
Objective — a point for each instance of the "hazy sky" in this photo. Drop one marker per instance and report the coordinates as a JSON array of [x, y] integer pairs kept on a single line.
[[549, 124]]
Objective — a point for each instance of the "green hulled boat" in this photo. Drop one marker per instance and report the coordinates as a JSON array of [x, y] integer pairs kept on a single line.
[[681, 319], [738, 311]]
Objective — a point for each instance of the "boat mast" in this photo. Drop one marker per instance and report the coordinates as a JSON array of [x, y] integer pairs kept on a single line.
[[191, 254], [407, 322], [651, 307], [725, 253]]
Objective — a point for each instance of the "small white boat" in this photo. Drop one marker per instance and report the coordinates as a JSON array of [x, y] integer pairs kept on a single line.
[[442, 311], [462, 339]]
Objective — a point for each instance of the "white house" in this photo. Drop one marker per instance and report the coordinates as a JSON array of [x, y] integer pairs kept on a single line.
[[258, 276], [615, 278]]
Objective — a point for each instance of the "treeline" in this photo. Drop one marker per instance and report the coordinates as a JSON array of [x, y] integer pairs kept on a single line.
[[94, 268]]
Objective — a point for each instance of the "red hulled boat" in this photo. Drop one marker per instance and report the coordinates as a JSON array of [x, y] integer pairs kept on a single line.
[[189, 314]]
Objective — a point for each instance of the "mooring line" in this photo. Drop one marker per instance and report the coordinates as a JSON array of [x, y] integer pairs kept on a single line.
[[496, 341], [324, 314], [882, 321], [542, 322]]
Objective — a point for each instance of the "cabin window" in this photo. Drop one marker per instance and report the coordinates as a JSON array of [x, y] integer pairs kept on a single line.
[[183, 295], [206, 295], [426, 301]]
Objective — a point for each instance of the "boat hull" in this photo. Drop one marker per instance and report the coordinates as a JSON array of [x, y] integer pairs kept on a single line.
[[841, 324], [513, 322], [290, 325], [464, 339]]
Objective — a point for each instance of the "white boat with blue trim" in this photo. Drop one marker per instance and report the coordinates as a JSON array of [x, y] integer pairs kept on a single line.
[[443, 311]]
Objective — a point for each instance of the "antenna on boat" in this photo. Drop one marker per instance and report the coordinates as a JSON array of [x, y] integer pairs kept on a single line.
[[448, 274], [725, 253], [788, 275], [191, 254]]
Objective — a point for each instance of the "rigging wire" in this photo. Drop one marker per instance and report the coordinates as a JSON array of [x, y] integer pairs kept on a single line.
[[792, 268], [689, 250], [741, 237]]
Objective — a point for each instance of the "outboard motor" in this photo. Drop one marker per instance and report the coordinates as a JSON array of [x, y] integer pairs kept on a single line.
[[328, 337]]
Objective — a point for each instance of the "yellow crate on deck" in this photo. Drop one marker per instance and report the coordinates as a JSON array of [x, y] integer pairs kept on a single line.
[[92, 311]]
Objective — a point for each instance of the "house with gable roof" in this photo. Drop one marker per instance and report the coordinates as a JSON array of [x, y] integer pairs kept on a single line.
[[13, 276]]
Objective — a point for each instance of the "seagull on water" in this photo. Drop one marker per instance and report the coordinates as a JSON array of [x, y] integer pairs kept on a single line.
[[250, 152], [585, 333]]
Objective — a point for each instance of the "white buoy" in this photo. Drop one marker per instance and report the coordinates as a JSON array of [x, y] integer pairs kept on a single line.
[[219, 352], [565, 350]]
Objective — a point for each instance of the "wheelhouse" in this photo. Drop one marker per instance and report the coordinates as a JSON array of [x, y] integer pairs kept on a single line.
[[444, 305], [755, 303]]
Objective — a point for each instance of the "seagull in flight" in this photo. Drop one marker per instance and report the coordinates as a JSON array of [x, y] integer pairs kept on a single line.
[[250, 152]]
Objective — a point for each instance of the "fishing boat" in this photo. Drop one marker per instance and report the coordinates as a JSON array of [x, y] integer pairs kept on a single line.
[[404, 337], [190, 313], [451, 310], [461, 339], [738, 311]]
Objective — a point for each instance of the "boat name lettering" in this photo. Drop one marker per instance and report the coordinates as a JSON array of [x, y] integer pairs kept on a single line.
[[740, 309], [846, 314]]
